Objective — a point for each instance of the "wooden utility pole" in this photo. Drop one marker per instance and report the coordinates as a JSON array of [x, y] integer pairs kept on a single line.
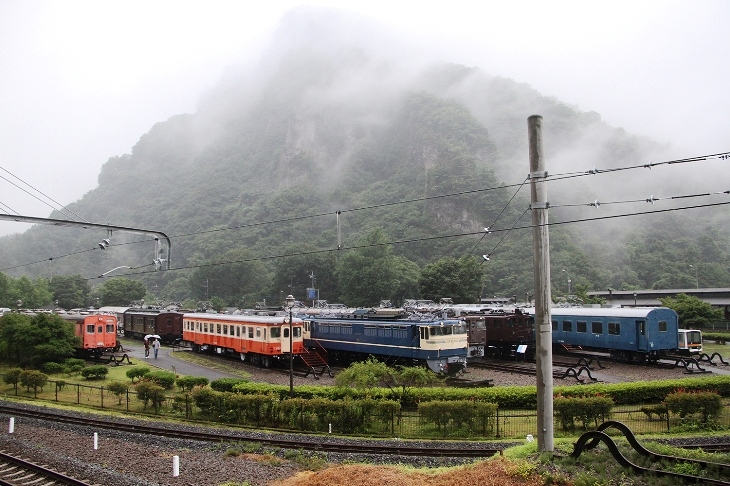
[[543, 298]]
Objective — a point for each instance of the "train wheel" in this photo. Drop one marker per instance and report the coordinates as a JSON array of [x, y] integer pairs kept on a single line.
[[195, 348], [266, 361]]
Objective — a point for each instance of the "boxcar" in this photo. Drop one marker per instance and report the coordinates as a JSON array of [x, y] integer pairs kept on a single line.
[[140, 322], [501, 333], [262, 340]]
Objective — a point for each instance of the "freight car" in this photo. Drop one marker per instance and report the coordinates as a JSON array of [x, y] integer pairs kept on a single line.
[[262, 340], [440, 344], [139, 323], [501, 333], [98, 333]]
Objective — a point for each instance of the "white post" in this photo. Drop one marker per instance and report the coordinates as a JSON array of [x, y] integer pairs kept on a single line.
[[175, 466], [11, 428], [330, 428], [96, 440]]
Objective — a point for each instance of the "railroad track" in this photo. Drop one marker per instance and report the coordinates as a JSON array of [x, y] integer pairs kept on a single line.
[[561, 371], [16, 471], [221, 436]]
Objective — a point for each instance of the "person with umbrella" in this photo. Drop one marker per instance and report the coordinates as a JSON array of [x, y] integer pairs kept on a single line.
[[156, 346], [146, 348]]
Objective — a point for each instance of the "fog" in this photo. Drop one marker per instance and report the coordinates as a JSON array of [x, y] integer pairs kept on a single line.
[[83, 80]]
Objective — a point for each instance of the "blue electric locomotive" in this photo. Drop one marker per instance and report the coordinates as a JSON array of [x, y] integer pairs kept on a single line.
[[628, 333], [440, 344]]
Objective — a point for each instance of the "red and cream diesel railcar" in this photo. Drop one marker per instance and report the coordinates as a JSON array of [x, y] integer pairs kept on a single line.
[[98, 333], [258, 339]]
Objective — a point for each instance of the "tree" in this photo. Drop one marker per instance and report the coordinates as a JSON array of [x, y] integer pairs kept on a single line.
[[367, 275], [70, 291], [37, 339], [459, 279], [120, 291], [692, 311], [234, 274]]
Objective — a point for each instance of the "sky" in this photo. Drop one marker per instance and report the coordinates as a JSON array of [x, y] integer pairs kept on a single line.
[[82, 81]]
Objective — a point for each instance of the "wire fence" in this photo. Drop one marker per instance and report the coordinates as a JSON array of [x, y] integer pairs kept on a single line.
[[405, 423]]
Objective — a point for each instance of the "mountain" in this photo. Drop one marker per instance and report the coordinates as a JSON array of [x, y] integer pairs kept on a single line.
[[321, 132]]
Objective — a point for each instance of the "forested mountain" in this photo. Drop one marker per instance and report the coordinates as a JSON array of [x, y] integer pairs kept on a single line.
[[413, 161]]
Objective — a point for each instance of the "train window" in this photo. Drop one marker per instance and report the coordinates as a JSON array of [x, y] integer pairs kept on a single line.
[[567, 326], [555, 325], [346, 329], [100, 330], [217, 328], [258, 332], [225, 328], [662, 326], [250, 332], [233, 333], [614, 328], [581, 326], [286, 333], [89, 329], [641, 327], [297, 332], [424, 333], [264, 334], [370, 330], [238, 331], [110, 328], [597, 327], [276, 332], [459, 329], [205, 327]]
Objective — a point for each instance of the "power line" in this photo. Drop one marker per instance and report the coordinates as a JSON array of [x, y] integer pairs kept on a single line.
[[432, 238]]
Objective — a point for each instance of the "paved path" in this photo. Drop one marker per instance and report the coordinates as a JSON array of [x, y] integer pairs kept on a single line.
[[166, 360]]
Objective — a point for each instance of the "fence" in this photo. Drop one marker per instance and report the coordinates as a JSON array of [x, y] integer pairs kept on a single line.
[[407, 423]]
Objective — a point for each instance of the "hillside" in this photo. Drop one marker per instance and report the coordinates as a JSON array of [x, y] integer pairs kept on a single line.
[[261, 169]]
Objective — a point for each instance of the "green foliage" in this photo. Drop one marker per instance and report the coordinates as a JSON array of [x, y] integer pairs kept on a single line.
[[187, 383], [587, 410], [460, 279], [148, 392], [165, 379], [120, 291], [137, 372], [96, 372], [12, 377], [692, 311], [226, 384], [707, 405], [475, 416], [33, 340], [52, 368], [70, 291], [119, 389], [33, 380]]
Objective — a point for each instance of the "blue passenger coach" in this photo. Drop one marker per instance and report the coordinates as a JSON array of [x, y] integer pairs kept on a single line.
[[440, 344], [627, 333]]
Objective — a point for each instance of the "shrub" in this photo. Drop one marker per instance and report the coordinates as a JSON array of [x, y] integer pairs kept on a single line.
[[587, 410], [12, 377], [118, 389], [187, 383], [95, 372], [226, 384], [150, 392], [52, 368], [707, 404], [137, 372], [33, 380], [165, 379]]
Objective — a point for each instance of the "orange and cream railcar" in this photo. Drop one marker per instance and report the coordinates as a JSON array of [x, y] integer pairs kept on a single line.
[[98, 333], [258, 339]]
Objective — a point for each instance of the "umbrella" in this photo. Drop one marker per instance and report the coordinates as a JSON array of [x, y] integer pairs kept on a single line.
[[151, 336]]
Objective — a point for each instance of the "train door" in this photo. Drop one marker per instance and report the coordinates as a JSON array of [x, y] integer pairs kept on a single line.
[[642, 341], [286, 338]]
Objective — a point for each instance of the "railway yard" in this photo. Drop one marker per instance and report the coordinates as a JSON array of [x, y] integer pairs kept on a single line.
[[135, 454]]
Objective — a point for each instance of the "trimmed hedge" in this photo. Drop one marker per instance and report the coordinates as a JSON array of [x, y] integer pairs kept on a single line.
[[507, 397]]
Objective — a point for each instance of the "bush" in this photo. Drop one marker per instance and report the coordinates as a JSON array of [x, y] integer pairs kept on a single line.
[[52, 368], [187, 383], [137, 372], [226, 384], [119, 389], [150, 392], [685, 404], [165, 379], [587, 410], [95, 372], [33, 380]]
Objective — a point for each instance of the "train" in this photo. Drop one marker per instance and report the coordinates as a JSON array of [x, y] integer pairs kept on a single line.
[[98, 333], [441, 344], [140, 322], [260, 340], [631, 334]]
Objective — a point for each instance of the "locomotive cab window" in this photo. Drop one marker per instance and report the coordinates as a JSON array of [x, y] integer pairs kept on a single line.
[[276, 332], [109, 328], [100, 330], [662, 326], [614, 328], [297, 332], [597, 327], [89, 329], [581, 326]]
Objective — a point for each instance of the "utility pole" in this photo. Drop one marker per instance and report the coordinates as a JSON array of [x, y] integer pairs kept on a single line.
[[543, 298]]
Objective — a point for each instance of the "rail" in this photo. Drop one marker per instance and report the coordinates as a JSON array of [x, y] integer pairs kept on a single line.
[[591, 439]]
